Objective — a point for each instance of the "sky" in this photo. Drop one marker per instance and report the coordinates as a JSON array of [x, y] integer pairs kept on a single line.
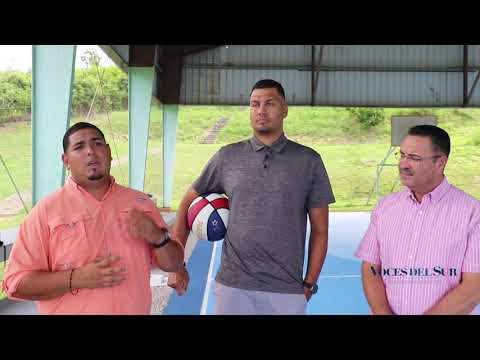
[[19, 57]]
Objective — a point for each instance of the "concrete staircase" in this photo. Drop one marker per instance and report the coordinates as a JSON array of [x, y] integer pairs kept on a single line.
[[212, 134]]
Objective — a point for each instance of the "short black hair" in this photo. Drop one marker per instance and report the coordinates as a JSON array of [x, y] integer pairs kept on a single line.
[[268, 84], [76, 127], [439, 137]]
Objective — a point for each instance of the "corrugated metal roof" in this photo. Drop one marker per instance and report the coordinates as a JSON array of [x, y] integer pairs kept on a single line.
[[393, 55], [208, 86], [426, 56], [349, 75], [393, 89]]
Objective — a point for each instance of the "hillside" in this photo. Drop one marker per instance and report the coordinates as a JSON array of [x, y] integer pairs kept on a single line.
[[350, 152]]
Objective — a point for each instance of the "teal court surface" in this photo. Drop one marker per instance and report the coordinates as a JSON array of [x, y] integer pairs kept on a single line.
[[340, 289]]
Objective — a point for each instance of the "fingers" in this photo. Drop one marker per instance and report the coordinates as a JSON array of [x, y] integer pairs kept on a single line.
[[115, 280], [113, 270], [308, 295], [181, 288], [105, 261], [140, 225], [172, 281], [136, 216], [179, 283], [135, 222], [101, 273], [111, 276], [99, 259]]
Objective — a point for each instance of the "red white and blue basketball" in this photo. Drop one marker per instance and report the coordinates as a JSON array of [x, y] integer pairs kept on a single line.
[[208, 216]]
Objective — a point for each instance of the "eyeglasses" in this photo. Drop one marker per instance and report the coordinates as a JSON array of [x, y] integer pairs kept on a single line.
[[415, 158]]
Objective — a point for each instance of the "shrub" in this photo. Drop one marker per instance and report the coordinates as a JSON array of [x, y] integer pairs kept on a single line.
[[367, 117]]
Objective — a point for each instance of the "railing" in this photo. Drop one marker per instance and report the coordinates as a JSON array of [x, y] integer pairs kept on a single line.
[[7, 238]]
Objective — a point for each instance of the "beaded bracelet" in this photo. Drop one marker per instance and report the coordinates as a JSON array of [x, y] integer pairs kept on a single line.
[[70, 284]]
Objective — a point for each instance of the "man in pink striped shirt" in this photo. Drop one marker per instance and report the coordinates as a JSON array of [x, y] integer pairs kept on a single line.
[[421, 252], [88, 248]]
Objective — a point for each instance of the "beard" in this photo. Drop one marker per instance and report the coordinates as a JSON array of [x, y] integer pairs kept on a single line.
[[95, 177], [263, 130]]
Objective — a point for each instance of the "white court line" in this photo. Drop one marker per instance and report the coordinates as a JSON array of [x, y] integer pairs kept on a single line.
[[203, 310]]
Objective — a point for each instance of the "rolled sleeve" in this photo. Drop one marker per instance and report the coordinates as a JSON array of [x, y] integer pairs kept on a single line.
[[28, 254], [369, 249], [321, 193]]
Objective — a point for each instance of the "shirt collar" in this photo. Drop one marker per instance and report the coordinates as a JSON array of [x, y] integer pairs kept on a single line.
[[277, 146], [72, 185], [436, 194]]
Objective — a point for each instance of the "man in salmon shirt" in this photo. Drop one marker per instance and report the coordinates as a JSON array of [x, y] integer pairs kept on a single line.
[[88, 248], [421, 252]]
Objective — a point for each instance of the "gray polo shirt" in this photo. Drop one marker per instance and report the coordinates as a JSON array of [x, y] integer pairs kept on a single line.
[[270, 189]]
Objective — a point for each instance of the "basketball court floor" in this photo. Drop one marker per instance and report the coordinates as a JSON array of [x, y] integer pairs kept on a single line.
[[339, 287]]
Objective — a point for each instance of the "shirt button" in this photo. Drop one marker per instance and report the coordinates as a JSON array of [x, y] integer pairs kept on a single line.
[[420, 212], [410, 257]]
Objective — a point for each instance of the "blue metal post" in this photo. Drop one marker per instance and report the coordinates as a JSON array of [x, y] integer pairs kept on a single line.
[[170, 120], [140, 82], [53, 70]]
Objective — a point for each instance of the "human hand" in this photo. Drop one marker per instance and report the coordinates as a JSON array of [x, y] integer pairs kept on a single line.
[[179, 281], [99, 273], [308, 294], [141, 226]]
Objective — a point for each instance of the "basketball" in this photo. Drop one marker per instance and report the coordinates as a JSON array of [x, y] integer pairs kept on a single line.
[[207, 216]]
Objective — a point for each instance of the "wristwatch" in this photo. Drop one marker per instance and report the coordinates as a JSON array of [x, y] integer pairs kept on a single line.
[[162, 243], [313, 288]]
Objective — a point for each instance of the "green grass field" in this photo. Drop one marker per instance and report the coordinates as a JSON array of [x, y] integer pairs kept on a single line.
[[350, 152]]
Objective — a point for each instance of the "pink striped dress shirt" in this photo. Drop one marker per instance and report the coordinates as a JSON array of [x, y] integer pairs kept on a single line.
[[423, 248]]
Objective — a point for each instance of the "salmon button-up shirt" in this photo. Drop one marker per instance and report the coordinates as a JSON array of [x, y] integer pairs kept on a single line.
[[70, 228]]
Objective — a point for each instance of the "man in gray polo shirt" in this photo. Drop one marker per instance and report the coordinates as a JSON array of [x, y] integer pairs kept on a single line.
[[272, 184]]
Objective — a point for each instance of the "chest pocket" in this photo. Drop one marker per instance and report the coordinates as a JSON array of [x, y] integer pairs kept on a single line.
[[69, 246]]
